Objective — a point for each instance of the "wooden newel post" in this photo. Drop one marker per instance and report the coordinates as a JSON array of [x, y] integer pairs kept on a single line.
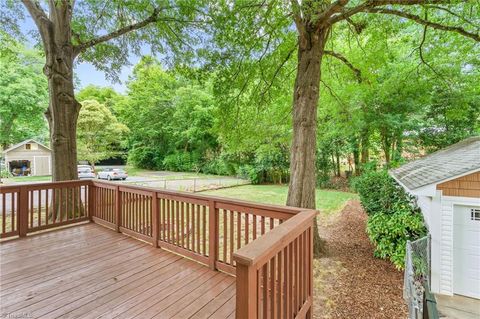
[[155, 219], [22, 218], [91, 201], [246, 296], [118, 209], [212, 235]]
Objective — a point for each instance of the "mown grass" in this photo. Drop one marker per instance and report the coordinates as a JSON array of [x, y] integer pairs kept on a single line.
[[328, 201], [20, 179]]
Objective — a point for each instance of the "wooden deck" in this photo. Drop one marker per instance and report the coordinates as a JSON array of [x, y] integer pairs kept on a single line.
[[92, 272]]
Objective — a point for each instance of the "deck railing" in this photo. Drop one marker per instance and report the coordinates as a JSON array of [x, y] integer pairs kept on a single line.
[[267, 247]]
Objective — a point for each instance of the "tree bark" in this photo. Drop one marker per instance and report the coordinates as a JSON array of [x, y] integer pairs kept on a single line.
[[63, 109], [301, 191]]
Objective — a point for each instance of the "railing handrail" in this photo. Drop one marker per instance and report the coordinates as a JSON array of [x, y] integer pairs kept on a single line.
[[268, 245], [223, 200]]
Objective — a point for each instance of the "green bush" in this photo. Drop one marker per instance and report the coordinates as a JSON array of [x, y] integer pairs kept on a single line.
[[379, 193], [393, 218], [182, 162], [251, 173], [390, 232]]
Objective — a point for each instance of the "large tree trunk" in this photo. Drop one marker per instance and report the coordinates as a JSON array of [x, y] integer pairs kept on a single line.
[[63, 110], [301, 191]]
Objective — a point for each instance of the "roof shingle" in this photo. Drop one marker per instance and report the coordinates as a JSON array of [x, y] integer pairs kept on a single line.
[[449, 162]]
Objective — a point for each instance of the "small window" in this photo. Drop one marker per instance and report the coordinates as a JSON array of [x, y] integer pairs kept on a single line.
[[475, 214], [28, 146]]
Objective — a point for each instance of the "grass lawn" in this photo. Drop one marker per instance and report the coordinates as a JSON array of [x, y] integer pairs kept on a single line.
[[328, 201], [20, 179]]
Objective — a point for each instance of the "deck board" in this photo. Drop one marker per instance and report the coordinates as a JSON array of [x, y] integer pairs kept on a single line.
[[92, 272]]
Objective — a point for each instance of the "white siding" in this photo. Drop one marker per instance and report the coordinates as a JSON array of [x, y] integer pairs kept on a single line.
[[446, 243]]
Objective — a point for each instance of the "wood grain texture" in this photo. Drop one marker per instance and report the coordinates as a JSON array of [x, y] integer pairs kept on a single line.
[[89, 271], [465, 186]]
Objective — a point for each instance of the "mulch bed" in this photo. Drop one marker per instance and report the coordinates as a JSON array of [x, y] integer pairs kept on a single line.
[[350, 282]]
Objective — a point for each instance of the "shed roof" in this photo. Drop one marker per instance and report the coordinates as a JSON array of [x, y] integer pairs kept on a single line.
[[455, 160], [11, 148]]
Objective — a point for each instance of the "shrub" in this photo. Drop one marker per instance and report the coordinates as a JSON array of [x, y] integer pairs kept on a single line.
[[390, 232], [379, 193], [182, 162], [393, 218]]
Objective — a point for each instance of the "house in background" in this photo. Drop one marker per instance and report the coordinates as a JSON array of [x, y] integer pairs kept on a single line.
[[28, 158], [447, 187]]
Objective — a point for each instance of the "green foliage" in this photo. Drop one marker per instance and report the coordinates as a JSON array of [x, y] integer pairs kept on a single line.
[[393, 218], [390, 232], [379, 193], [99, 133], [23, 94]]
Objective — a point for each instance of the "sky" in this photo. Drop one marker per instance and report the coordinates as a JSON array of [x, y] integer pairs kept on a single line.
[[86, 73]]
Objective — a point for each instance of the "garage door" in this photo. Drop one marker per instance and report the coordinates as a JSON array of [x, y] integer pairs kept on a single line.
[[41, 165], [466, 251]]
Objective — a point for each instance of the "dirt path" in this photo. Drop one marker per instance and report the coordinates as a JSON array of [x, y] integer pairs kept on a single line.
[[350, 282]]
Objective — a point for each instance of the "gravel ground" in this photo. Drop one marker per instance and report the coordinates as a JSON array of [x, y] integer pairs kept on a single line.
[[349, 281]]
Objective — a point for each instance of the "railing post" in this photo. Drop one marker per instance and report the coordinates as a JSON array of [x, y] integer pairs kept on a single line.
[[246, 291], [22, 218], [92, 204], [212, 235], [118, 209], [155, 219]]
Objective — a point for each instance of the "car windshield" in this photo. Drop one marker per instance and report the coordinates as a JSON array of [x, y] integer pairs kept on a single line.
[[84, 170]]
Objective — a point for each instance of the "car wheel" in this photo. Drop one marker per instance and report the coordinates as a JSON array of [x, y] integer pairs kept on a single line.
[[109, 178], [98, 176], [124, 178]]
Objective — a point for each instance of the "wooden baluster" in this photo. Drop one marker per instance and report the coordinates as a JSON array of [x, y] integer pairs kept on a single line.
[[204, 230], [184, 229], [197, 214], [118, 209], [192, 209], [47, 191], [239, 230], [4, 212], [187, 213], [265, 290], [30, 201], [247, 233], [39, 209], [254, 227], [14, 211], [232, 236], [273, 287], [224, 241], [280, 271]]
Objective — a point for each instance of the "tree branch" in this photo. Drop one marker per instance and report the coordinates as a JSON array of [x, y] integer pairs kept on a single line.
[[37, 14], [376, 3], [152, 18], [358, 73], [424, 22], [297, 17], [335, 7]]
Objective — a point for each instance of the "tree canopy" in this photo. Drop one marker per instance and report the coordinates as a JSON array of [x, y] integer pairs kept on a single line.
[[23, 93]]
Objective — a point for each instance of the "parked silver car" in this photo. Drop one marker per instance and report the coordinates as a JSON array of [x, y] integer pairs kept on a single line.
[[112, 173], [85, 171]]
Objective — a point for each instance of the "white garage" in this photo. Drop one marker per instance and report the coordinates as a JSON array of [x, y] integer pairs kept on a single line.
[[28, 158], [446, 185]]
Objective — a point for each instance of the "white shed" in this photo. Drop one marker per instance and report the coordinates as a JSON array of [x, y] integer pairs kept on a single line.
[[28, 158], [447, 187]]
